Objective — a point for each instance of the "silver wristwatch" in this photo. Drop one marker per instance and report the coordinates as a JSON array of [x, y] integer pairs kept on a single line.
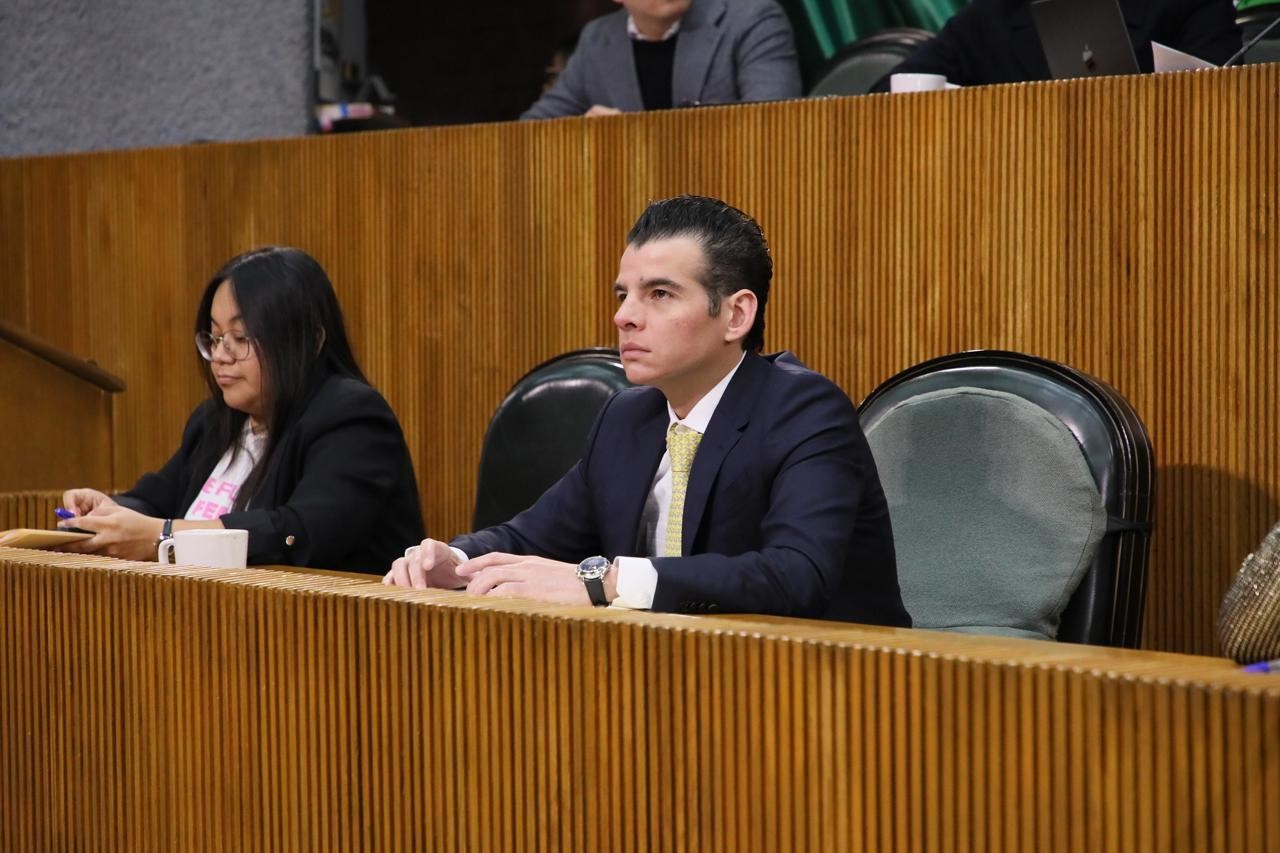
[[591, 572]]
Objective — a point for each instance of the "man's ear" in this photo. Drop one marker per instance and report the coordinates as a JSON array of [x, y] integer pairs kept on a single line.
[[740, 310]]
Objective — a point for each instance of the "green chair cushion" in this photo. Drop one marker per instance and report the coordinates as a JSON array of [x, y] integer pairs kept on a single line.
[[995, 514]]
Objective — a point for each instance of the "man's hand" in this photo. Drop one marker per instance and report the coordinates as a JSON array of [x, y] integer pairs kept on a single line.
[[515, 576], [431, 564], [602, 110], [118, 532]]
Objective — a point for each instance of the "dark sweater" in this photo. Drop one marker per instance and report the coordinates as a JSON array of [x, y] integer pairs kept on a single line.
[[654, 63]]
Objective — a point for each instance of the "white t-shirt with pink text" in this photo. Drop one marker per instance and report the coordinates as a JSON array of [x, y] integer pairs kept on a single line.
[[218, 495]]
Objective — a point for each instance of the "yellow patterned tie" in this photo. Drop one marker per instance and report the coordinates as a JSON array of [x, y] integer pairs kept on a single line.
[[682, 444]]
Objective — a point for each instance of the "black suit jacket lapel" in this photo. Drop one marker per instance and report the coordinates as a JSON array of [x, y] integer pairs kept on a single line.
[[637, 455], [730, 419]]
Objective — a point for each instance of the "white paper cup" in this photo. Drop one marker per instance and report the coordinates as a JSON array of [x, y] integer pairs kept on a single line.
[[917, 82], [222, 549]]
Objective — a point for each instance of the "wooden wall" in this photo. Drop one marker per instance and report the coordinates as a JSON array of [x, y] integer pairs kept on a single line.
[[1125, 226], [192, 709], [57, 427]]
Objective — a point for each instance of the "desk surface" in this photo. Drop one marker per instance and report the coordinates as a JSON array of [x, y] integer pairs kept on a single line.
[[188, 708]]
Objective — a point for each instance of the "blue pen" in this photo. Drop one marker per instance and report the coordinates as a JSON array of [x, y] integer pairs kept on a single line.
[[1264, 666], [64, 514]]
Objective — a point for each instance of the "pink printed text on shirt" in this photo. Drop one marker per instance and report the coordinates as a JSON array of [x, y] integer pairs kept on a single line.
[[219, 496]]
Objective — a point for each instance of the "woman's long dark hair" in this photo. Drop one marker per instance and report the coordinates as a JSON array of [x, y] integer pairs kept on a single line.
[[290, 311]]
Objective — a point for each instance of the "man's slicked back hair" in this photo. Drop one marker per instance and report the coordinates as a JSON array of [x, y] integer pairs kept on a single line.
[[735, 252]]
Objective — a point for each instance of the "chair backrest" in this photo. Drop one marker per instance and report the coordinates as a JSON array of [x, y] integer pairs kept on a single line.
[[857, 66], [540, 429], [1252, 20], [1030, 482]]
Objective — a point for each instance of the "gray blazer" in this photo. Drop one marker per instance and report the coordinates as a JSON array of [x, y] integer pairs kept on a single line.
[[728, 51]]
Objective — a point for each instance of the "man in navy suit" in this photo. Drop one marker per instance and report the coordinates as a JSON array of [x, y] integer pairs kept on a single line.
[[658, 54], [729, 481]]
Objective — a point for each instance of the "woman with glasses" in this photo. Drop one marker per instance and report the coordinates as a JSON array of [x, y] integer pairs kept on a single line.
[[293, 444]]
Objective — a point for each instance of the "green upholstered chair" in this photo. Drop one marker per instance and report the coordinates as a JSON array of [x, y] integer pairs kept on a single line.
[[857, 66], [1020, 495], [540, 429], [1252, 19]]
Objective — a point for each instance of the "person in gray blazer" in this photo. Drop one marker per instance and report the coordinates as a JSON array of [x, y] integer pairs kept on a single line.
[[658, 54]]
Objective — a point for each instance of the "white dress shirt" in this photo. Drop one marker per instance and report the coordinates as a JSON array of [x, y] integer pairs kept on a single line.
[[636, 35]]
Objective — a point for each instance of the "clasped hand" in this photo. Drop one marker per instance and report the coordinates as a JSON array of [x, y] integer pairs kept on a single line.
[[117, 531], [433, 564]]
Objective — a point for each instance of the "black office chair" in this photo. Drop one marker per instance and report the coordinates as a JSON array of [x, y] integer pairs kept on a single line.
[[1001, 467], [1252, 21], [540, 429], [858, 65]]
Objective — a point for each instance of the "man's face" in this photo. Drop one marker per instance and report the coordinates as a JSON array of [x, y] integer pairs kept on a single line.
[[666, 334], [662, 10]]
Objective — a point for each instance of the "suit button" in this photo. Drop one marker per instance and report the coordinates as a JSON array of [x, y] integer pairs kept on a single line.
[[289, 540]]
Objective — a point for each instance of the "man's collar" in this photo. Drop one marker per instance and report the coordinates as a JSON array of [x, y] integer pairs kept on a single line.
[[699, 416], [636, 35]]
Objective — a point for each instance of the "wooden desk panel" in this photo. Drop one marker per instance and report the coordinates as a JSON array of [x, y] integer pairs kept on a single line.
[[148, 708], [1126, 226]]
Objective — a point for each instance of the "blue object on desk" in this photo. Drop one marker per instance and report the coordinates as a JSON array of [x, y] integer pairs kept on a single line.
[[64, 514], [1264, 666]]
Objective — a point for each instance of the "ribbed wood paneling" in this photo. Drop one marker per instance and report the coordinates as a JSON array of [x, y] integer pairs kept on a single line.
[[29, 509], [57, 427], [196, 709], [1125, 226]]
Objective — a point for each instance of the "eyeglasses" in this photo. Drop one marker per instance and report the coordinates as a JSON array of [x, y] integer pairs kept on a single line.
[[235, 345]]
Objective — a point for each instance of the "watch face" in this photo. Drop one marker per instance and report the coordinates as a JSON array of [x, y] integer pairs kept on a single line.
[[593, 568]]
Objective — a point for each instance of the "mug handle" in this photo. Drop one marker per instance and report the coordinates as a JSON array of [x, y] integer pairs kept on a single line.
[[165, 552]]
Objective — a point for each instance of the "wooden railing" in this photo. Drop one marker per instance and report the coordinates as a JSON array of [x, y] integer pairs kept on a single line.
[[77, 367], [144, 708], [56, 415], [1125, 226]]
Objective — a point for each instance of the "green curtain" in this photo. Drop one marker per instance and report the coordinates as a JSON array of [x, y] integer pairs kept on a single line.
[[824, 26]]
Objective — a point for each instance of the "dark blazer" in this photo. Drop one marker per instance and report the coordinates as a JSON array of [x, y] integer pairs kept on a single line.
[[339, 493], [784, 513], [995, 41], [728, 51]]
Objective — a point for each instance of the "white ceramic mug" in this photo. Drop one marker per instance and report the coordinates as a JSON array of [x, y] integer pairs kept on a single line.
[[916, 82], [222, 549]]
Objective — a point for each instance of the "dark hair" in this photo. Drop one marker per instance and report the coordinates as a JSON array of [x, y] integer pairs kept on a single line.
[[291, 313], [736, 253]]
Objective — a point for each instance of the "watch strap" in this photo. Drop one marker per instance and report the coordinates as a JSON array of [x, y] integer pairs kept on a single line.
[[166, 531], [595, 589]]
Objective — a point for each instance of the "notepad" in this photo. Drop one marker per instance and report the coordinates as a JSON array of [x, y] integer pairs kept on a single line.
[[24, 537]]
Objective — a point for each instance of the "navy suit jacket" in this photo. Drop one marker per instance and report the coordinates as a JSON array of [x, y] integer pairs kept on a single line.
[[728, 51], [784, 513], [995, 41]]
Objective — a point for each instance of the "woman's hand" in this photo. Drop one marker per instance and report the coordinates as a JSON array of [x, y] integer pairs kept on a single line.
[[85, 501], [118, 532]]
